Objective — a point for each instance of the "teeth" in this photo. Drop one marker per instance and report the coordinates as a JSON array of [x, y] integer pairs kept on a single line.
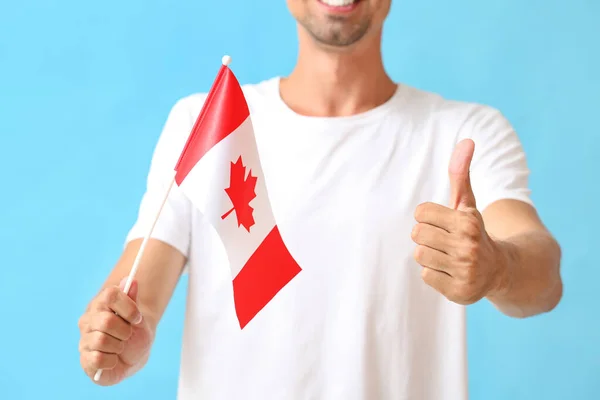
[[338, 3]]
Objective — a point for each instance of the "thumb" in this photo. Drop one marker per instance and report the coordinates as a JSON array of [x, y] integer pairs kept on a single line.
[[461, 193], [133, 289]]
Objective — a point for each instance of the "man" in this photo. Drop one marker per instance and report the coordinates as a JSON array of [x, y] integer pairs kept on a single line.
[[351, 160]]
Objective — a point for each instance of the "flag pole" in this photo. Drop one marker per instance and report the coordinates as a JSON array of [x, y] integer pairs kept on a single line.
[[138, 258], [136, 263]]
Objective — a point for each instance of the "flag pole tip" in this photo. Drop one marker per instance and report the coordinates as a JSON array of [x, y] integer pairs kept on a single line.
[[226, 60]]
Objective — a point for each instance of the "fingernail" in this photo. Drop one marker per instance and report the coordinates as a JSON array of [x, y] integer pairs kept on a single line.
[[138, 319]]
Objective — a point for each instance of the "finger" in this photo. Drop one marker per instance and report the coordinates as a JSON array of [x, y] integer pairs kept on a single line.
[[433, 259], [432, 236], [108, 322], [95, 360], [437, 215], [100, 341], [84, 323], [133, 288], [437, 280], [461, 192], [115, 300]]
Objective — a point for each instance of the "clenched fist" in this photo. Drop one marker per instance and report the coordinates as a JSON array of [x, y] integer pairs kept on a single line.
[[115, 337], [460, 260]]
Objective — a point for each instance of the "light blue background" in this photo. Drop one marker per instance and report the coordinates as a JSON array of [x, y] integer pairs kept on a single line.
[[86, 86]]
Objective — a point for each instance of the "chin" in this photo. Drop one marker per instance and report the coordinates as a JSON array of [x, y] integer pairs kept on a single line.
[[340, 24]]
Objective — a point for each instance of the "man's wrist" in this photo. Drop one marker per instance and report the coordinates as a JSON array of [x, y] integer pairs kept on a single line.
[[505, 257], [149, 318]]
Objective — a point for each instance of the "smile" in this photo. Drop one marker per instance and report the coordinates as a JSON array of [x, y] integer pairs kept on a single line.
[[340, 5]]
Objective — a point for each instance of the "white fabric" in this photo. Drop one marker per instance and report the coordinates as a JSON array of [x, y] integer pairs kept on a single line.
[[205, 187], [357, 323]]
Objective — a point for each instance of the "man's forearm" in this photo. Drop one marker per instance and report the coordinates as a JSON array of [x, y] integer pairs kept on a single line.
[[530, 281]]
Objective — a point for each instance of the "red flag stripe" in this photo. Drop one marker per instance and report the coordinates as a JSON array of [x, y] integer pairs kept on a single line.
[[266, 272], [224, 110]]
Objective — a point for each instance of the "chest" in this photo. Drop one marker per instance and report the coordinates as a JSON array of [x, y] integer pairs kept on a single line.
[[342, 193], [351, 175]]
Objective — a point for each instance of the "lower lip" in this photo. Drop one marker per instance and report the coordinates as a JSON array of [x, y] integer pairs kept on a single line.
[[340, 9]]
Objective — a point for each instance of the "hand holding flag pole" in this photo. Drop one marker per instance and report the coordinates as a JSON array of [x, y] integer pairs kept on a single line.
[[136, 263]]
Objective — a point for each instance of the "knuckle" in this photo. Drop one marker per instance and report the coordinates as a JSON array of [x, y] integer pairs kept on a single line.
[[101, 340], [110, 361], [127, 332], [119, 346], [96, 359], [110, 295], [426, 275], [106, 322], [81, 322], [469, 253], [469, 225], [418, 212], [416, 232], [422, 210], [472, 253], [131, 313], [419, 254]]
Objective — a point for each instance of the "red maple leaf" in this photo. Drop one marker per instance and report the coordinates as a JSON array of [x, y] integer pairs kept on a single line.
[[241, 192]]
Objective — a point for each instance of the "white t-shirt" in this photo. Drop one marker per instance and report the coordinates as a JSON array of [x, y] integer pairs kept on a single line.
[[358, 323]]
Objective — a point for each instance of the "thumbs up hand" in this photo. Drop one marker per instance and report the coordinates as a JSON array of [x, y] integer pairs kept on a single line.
[[459, 259]]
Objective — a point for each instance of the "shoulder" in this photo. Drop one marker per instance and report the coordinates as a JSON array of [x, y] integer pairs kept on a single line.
[[461, 115], [449, 121]]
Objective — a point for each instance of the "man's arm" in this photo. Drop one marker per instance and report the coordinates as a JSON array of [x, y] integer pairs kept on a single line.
[[530, 283], [504, 254], [118, 329]]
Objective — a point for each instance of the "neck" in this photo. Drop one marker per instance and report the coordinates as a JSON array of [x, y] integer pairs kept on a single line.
[[329, 83]]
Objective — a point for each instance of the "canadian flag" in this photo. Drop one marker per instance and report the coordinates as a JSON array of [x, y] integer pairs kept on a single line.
[[219, 170]]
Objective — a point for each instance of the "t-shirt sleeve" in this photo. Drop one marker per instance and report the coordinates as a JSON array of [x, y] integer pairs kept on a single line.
[[499, 168], [174, 224]]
